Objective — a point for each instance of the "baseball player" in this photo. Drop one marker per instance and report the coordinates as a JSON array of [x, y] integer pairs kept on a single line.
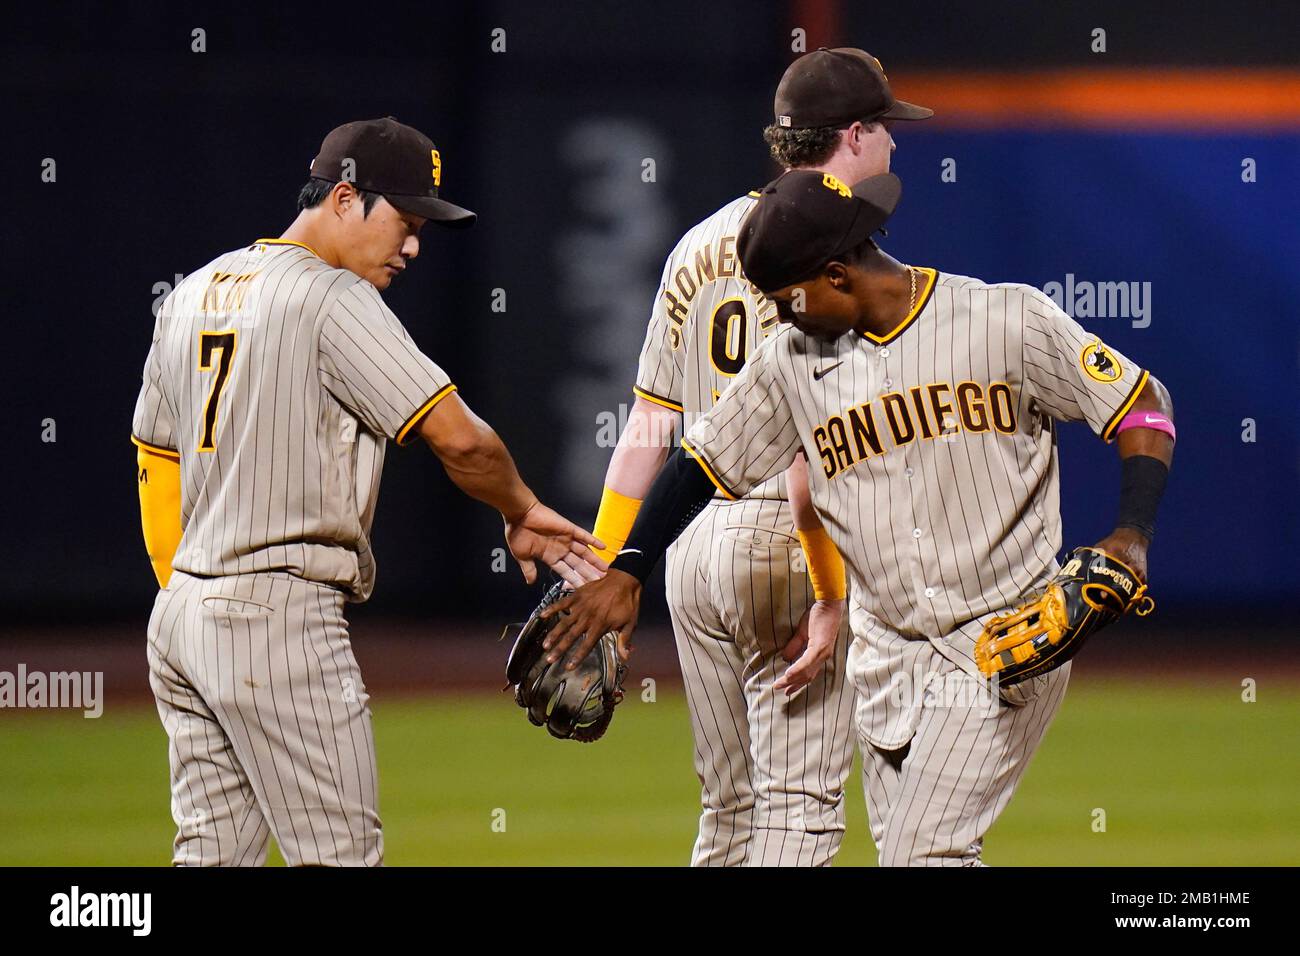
[[275, 380], [771, 768], [927, 405]]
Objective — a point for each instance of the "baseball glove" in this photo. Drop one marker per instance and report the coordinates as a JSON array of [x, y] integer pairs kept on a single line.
[[572, 705], [1091, 591]]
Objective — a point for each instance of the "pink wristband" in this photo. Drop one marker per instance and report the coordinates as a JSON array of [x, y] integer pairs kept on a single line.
[[1147, 420]]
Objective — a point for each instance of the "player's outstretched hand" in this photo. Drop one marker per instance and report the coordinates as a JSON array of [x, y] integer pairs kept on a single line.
[[540, 534], [610, 604], [812, 645]]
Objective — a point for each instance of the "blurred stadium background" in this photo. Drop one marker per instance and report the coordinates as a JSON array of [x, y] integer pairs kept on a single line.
[[1171, 158]]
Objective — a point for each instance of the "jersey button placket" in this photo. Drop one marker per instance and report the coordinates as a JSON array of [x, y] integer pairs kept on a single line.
[[916, 558], [917, 534], [922, 572]]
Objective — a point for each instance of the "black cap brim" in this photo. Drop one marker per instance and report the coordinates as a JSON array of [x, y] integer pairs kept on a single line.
[[436, 210], [881, 193], [907, 111]]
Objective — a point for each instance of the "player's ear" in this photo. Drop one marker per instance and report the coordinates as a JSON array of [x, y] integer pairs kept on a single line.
[[853, 136], [837, 275], [341, 198]]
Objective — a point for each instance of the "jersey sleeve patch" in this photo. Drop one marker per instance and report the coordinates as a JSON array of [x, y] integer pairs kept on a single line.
[[1100, 363]]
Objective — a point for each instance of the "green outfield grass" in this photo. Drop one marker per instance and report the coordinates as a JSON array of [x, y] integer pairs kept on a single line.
[[1187, 774]]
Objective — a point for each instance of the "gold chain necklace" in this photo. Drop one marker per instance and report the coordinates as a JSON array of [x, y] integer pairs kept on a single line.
[[911, 300]]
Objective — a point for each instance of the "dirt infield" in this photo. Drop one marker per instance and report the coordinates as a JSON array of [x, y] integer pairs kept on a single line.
[[413, 657]]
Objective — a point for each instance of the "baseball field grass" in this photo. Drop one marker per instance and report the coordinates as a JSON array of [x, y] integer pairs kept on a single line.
[[1179, 773]]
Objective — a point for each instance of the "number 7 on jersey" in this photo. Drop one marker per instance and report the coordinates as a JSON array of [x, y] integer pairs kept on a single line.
[[222, 343]]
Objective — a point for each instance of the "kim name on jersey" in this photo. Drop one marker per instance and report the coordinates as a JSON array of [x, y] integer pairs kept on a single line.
[[936, 410]]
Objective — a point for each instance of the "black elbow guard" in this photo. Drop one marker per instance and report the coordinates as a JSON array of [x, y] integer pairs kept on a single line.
[[1141, 487], [679, 493]]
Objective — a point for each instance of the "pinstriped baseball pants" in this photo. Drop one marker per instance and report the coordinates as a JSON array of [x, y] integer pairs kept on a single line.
[[771, 770], [931, 801], [267, 721]]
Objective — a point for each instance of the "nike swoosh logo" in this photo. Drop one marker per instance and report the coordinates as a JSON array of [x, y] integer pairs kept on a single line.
[[1155, 420], [820, 373], [630, 551]]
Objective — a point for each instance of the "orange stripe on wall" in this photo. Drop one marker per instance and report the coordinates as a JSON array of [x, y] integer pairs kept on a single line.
[[1222, 99]]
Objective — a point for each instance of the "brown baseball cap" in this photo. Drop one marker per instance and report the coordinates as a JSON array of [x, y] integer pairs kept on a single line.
[[803, 219], [838, 87], [396, 161]]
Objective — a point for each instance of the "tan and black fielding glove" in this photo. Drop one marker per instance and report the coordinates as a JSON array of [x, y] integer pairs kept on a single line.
[[1091, 591], [576, 704]]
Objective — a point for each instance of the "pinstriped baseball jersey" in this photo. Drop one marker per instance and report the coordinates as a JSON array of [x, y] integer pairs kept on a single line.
[[277, 380], [707, 320], [932, 449]]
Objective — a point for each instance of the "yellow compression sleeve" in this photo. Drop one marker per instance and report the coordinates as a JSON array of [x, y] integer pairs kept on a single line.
[[159, 480], [825, 566], [614, 521]]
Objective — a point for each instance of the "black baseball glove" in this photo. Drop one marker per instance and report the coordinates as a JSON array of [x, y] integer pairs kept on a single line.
[[1091, 591], [576, 704]]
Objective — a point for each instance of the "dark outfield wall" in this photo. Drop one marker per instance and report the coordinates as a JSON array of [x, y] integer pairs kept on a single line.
[[165, 157]]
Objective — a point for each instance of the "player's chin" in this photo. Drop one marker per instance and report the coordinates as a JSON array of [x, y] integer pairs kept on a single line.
[[383, 277]]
